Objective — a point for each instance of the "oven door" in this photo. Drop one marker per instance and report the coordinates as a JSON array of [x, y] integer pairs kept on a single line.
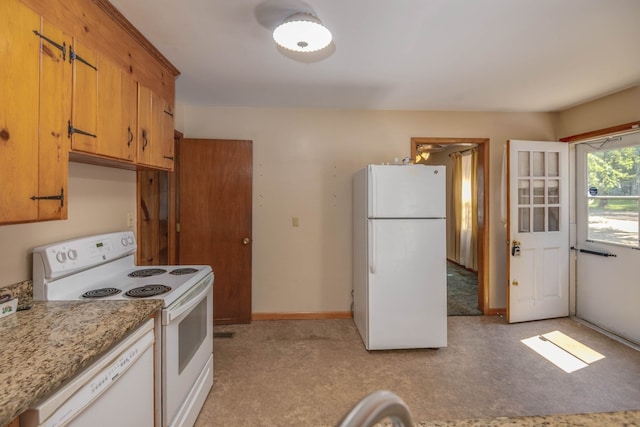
[[187, 350]]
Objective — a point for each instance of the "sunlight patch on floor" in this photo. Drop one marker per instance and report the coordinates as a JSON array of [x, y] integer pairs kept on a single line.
[[562, 350]]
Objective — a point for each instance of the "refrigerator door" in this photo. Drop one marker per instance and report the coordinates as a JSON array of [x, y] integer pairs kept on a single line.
[[407, 284], [415, 191]]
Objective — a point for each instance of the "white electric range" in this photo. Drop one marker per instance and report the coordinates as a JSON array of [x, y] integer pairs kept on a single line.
[[102, 267]]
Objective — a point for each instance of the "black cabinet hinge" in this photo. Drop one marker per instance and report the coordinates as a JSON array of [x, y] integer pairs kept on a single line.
[[73, 130], [73, 56], [56, 197], [62, 47]]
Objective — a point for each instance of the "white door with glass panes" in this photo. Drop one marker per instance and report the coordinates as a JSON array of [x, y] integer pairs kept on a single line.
[[537, 230], [607, 234]]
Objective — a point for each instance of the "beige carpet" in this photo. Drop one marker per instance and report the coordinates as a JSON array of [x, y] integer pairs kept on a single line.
[[311, 372]]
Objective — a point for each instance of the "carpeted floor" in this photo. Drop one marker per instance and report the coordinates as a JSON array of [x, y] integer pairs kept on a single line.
[[462, 291], [311, 372]]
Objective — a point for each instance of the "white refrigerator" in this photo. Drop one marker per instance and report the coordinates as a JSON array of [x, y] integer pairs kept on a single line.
[[399, 256]]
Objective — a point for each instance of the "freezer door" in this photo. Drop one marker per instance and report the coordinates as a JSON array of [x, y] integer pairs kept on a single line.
[[415, 191], [407, 286]]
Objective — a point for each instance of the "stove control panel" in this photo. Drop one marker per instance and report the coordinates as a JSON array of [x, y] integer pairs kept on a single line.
[[63, 258]]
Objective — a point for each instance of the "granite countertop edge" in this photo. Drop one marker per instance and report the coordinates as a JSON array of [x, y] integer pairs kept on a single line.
[[597, 419], [49, 343]]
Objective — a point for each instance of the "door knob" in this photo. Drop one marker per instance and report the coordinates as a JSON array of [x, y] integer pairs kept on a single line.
[[245, 241]]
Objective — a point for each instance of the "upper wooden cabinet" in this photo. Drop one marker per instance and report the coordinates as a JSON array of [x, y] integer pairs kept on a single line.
[[104, 108], [155, 130], [35, 79], [113, 63], [70, 75]]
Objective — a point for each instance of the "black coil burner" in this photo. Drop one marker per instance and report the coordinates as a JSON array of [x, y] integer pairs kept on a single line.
[[185, 270], [101, 293], [147, 291], [147, 272]]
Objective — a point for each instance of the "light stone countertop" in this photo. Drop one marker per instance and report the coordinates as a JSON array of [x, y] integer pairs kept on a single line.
[[603, 419], [42, 347]]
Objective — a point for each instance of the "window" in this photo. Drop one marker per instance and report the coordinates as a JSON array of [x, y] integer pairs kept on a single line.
[[613, 193], [538, 191]]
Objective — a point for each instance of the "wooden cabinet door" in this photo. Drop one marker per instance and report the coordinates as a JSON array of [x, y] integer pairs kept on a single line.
[[144, 156], [55, 110], [33, 144], [164, 125], [19, 77], [129, 113], [114, 132], [155, 139], [84, 108]]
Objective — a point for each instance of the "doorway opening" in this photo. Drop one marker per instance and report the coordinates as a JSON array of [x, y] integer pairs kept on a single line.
[[467, 266]]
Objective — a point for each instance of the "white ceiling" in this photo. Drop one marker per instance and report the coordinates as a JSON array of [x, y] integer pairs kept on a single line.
[[482, 55]]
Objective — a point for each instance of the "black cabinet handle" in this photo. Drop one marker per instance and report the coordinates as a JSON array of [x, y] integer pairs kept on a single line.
[[130, 136]]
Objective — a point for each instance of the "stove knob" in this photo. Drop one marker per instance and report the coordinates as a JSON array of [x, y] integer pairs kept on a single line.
[[61, 257], [124, 241], [130, 240], [72, 254]]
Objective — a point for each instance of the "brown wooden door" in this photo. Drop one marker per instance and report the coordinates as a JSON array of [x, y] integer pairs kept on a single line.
[[214, 213]]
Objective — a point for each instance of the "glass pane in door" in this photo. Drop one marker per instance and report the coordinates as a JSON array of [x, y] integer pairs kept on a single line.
[[554, 218], [523, 164], [554, 163], [538, 163], [538, 192], [538, 219], [553, 191], [524, 220], [613, 195], [524, 197]]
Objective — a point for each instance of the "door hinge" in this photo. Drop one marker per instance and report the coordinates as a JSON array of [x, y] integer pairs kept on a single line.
[[177, 227], [73, 130], [62, 47], [73, 56], [56, 197]]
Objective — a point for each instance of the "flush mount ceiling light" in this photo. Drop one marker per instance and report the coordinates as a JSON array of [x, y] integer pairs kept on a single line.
[[302, 32]]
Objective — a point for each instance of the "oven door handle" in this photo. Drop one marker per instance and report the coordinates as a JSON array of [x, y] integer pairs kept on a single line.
[[189, 300]]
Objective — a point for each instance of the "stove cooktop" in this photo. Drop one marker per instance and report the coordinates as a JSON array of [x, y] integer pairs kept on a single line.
[[158, 282], [103, 267]]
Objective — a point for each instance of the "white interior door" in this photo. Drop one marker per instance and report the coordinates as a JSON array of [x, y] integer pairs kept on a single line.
[[607, 235], [537, 230]]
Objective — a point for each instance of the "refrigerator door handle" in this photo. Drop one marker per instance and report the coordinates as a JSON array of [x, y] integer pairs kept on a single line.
[[372, 248]]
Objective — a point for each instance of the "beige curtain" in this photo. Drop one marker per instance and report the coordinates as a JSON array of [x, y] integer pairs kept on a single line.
[[456, 184], [465, 212]]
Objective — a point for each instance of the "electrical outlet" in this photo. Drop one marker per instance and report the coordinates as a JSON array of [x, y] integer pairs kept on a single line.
[[295, 221], [129, 219]]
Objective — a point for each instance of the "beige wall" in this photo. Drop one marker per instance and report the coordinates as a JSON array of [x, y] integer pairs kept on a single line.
[[99, 200], [616, 109], [302, 165], [303, 162]]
